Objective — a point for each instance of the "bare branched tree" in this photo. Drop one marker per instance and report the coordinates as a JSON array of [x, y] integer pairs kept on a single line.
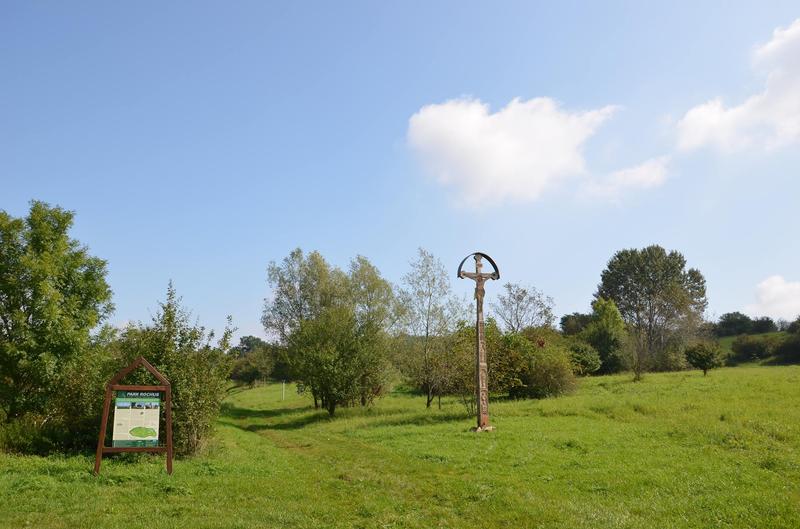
[[521, 307]]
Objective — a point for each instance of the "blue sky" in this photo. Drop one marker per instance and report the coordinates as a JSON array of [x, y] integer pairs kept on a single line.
[[197, 141]]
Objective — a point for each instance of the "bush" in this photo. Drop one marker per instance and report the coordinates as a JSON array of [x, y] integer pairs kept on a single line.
[[27, 435], [255, 363], [606, 334], [585, 359], [254, 367], [747, 348], [546, 371], [788, 350], [704, 355], [197, 369]]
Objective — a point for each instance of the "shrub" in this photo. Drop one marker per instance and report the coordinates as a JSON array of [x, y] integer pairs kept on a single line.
[[255, 363], [546, 371], [197, 369], [788, 350], [606, 334], [747, 348], [704, 355], [585, 359], [26, 435]]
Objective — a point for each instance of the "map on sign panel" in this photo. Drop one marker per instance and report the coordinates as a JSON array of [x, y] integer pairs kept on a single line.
[[136, 417]]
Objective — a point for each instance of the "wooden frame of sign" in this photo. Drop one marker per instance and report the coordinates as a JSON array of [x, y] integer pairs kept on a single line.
[[113, 385]]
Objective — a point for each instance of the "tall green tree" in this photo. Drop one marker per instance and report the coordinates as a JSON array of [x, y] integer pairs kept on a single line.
[[333, 326], [733, 324], [302, 287], [606, 333], [661, 301], [197, 365], [52, 294]]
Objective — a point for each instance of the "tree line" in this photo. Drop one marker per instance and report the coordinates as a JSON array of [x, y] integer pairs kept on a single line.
[[345, 336]]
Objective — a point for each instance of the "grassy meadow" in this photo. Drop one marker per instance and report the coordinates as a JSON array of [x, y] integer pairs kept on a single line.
[[677, 450]]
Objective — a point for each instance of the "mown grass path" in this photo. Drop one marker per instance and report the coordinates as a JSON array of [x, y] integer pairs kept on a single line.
[[677, 450]]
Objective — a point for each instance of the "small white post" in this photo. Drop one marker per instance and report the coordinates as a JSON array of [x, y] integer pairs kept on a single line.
[[283, 389]]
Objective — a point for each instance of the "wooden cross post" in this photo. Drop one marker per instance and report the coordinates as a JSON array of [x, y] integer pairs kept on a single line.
[[481, 368]]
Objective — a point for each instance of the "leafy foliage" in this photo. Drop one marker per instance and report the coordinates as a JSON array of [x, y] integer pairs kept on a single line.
[[733, 324], [660, 300], [432, 314], [198, 369], [255, 362], [585, 358], [763, 325], [704, 355], [788, 350], [333, 327], [52, 293], [606, 333], [747, 348], [546, 369], [574, 323]]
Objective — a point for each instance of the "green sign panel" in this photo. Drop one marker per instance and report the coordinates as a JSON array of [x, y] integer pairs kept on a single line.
[[136, 418]]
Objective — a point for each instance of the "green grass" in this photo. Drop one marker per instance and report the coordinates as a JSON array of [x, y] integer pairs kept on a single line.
[[677, 450]]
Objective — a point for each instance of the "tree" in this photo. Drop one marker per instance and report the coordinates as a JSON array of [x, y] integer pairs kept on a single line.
[[606, 333], [198, 369], [574, 323], [763, 325], [302, 287], [660, 300], [52, 294], [429, 317], [331, 356], [522, 307], [377, 312], [248, 344], [255, 360], [734, 324], [794, 327], [704, 355], [332, 326]]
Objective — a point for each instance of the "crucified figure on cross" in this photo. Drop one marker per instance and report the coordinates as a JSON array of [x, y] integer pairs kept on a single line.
[[481, 368]]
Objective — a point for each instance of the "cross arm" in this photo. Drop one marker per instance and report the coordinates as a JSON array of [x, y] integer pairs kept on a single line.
[[475, 277]]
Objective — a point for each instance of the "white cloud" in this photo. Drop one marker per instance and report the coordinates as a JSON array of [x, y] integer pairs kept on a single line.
[[777, 298], [769, 120], [514, 154], [649, 174]]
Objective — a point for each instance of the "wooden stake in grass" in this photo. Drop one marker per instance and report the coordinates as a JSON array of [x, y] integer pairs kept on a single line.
[[481, 368]]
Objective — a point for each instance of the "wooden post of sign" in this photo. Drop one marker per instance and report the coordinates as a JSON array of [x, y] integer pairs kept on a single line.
[[113, 385], [102, 437], [169, 430]]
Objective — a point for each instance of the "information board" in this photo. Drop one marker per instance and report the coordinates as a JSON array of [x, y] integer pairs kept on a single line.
[[136, 418]]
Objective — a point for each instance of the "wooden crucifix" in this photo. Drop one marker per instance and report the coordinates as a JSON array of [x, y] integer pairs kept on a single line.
[[481, 368]]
